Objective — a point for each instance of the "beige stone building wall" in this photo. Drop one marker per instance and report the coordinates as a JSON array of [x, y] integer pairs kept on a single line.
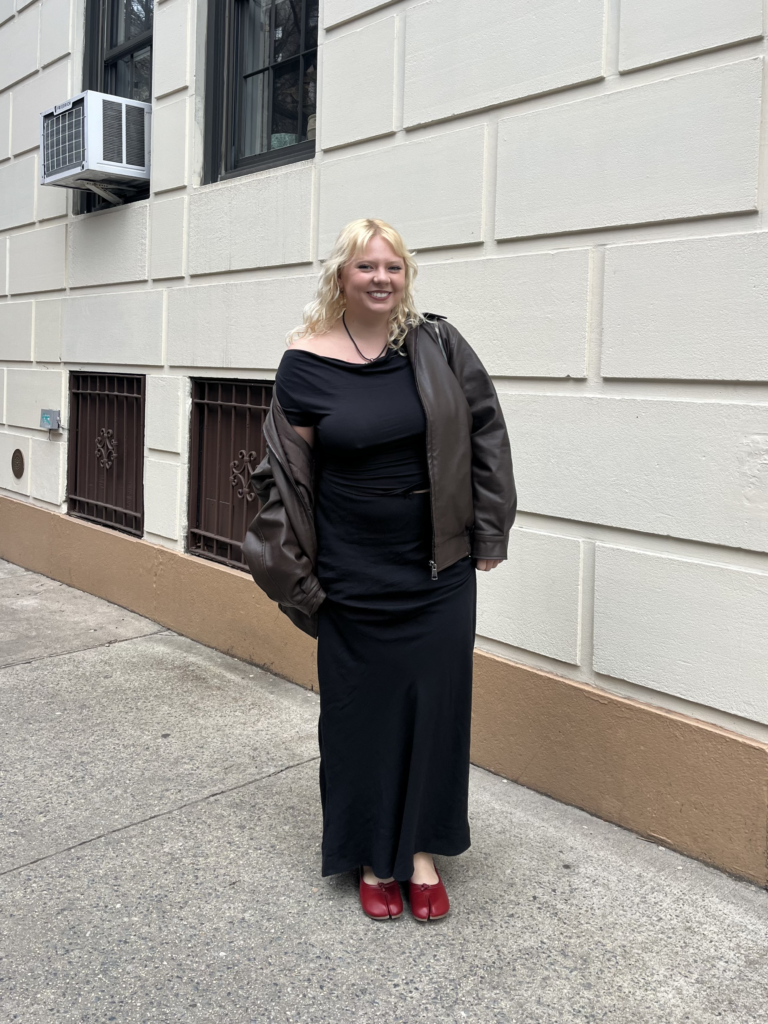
[[584, 182]]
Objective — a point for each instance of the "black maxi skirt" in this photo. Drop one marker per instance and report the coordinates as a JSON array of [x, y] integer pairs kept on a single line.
[[395, 670]]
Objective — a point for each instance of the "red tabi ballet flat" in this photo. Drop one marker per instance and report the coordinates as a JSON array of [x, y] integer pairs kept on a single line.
[[429, 902], [381, 901]]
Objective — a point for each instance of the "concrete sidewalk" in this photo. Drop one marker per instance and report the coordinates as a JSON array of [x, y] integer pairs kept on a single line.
[[159, 861]]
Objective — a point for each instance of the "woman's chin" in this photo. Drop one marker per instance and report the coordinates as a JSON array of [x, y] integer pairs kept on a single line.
[[378, 308]]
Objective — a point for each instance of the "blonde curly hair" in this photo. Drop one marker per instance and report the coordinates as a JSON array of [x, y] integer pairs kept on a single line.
[[329, 303]]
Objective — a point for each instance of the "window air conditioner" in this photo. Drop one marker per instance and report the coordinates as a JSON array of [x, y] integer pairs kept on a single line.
[[96, 142]]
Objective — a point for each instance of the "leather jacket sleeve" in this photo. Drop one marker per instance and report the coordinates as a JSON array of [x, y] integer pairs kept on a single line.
[[493, 483], [276, 558]]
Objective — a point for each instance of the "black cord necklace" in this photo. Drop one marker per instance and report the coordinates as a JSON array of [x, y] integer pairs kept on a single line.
[[362, 354]]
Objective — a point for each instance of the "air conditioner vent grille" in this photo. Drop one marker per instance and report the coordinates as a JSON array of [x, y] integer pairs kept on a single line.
[[112, 121], [134, 135], [63, 140]]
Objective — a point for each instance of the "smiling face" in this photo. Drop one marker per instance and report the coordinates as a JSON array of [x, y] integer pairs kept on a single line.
[[373, 282]]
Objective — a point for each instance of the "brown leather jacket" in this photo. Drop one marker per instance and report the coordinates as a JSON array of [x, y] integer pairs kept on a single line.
[[470, 472]]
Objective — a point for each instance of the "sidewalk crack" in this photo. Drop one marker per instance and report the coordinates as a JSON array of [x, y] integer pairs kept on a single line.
[[82, 650], [159, 814]]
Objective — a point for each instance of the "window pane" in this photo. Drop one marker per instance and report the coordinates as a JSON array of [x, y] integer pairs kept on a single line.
[[287, 32], [132, 75], [252, 28], [309, 101], [310, 32], [285, 105], [129, 18], [275, 81], [254, 115]]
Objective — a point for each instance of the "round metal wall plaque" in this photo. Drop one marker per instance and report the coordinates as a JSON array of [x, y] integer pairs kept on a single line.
[[17, 463]]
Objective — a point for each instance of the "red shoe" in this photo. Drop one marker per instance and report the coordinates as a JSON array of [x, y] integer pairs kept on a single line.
[[381, 901], [429, 902]]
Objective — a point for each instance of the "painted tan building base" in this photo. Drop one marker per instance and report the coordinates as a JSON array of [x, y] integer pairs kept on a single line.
[[684, 783]]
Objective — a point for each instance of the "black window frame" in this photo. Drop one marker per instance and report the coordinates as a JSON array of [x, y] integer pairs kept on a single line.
[[96, 56], [219, 163]]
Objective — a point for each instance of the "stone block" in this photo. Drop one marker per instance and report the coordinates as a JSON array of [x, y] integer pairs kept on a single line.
[[2, 394], [533, 600], [122, 327], [169, 146], [336, 12], [163, 412], [692, 308], [50, 202], [240, 325], [47, 470], [431, 190], [37, 260], [3, 266], [461, 57], [525, 316], [32, 96], [48, 331], [29, 391], [690, 628], [7, 10], [167, 245], [16, 320], [109, 247], [261, 221], [8, 445], [366, 57], [55, 30], [18, 44], [653, 31], [693, 469], [17, 191], [170, 47], [161, 498], [679, 148], [5, 125]]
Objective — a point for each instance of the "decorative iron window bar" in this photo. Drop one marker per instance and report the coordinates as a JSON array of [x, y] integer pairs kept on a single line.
[[106, 450], [227, 445]]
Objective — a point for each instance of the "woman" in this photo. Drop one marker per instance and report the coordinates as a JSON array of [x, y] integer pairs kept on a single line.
[[388, 479]]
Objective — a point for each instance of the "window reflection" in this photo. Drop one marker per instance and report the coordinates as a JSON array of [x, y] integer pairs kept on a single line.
[[133, 75], [130, 18], [276, 74]]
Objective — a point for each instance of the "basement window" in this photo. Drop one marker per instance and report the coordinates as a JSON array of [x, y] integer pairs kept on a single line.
[[227, 446], [105, 479]]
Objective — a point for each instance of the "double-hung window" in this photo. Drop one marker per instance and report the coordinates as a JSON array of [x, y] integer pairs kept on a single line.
[[261, 88], [128, 49], [117, 60], [118, 48]]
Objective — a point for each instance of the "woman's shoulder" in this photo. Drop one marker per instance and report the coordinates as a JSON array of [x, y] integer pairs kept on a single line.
[[308, 344]]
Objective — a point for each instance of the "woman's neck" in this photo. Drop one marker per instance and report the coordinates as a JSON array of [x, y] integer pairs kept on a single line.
[[367, 330]]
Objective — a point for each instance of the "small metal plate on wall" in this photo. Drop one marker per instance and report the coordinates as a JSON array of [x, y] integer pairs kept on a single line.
[[17, 463], [50, 419]]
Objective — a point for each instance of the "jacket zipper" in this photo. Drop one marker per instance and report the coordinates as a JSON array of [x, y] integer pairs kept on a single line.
[[433, 561]]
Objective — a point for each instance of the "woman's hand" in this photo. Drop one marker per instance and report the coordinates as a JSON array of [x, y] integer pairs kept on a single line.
[[486, 564]]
